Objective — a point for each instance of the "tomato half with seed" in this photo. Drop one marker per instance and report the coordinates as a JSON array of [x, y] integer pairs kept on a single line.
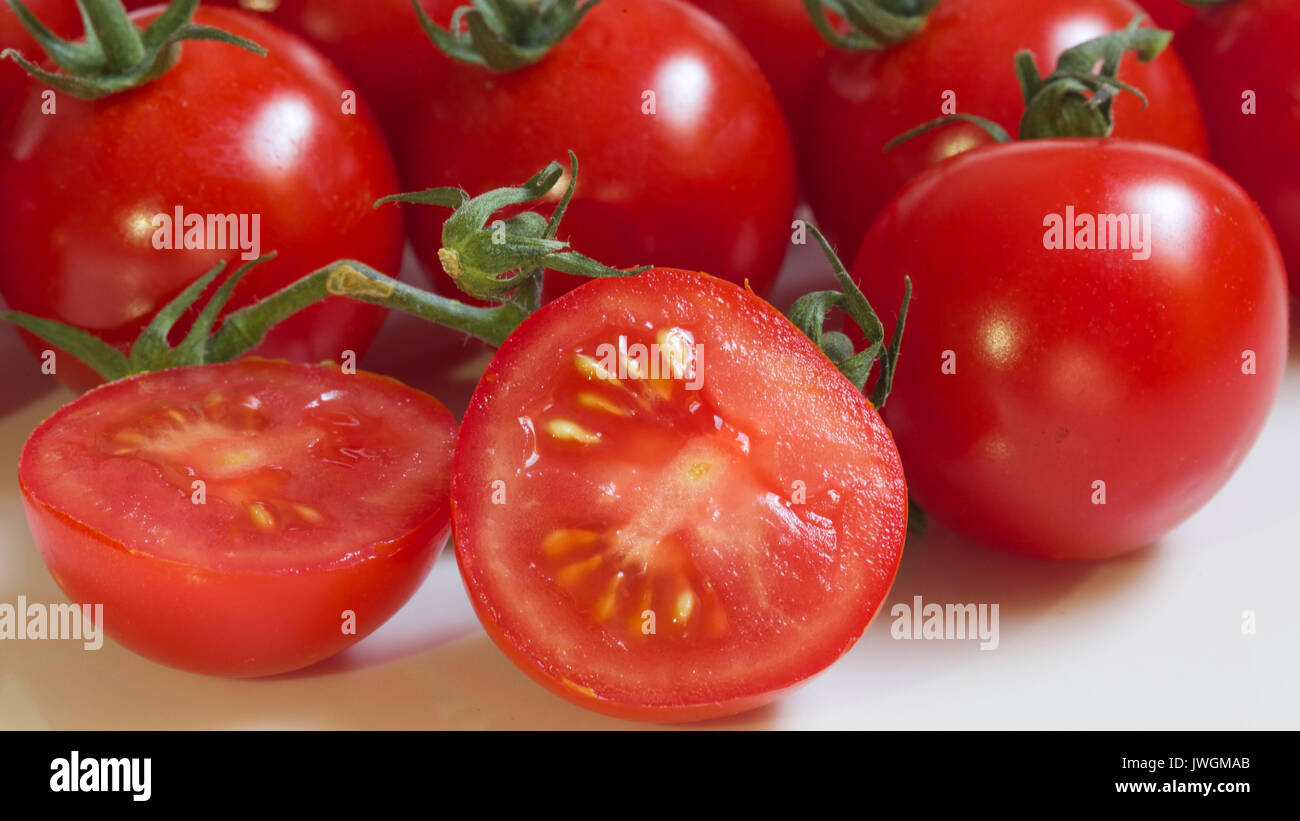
[[319, 493], [668, 504]]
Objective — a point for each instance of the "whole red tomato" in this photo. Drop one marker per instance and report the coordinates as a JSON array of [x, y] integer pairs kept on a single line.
[[378, 45], [782, 39], [224, 132], [963, 56], [1242, 58], [1074, 403], [59, 16], [685, 157]]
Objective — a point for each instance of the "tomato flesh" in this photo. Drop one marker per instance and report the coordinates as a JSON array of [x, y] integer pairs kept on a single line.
[[679, 531], [227, 515]]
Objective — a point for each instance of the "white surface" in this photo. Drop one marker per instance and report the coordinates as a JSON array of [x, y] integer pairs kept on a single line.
[[1153, 640]]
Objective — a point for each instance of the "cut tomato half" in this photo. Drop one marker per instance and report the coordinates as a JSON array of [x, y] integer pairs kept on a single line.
[[241, 519], [668, 504]]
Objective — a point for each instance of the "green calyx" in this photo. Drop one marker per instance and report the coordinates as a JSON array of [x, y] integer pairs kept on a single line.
[[1075, 100], [874, 23], [151, 351], [505, 260], [809, 314], [504, 35], [117, 55]]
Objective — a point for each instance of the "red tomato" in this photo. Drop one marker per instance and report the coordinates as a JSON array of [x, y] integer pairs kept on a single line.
[[1031, 374], [750, 513], [865, 99], [1242, 58], [706, 182], [781, 38], [224, 132], [1169, 14], [325, 493], [59, 16], [378, 44]]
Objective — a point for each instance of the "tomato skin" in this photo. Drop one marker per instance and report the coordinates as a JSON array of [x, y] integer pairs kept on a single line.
[[745, 337], [781, 39], [176, 614], [704, 183], [269, 139], [1249, 45], [379, 45], [1076, 366], [863, 100], [1169, 14], [628, 712], [222, 615]]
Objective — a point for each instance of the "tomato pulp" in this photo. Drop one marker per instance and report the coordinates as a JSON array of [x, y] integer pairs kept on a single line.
[[230, 517], [668, 504]]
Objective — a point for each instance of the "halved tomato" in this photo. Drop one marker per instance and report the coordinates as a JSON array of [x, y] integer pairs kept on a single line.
[[241, 519], [668, 503]]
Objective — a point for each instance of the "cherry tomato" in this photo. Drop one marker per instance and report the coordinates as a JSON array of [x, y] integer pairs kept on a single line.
[[1241, 56], [225, 132], [323, 494], [781, 38], [1077, 403], [59, 16], [682, 530], [685, 157], [378, 44], [963, 56]]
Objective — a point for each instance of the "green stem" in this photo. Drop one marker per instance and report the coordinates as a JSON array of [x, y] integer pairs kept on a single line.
[[116, 55], [243, 329], [117, 35]]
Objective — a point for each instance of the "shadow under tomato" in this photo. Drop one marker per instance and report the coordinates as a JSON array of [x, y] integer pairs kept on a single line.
[[22, 381], [1032, 595]]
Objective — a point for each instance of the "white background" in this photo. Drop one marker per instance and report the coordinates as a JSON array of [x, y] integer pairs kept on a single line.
[[1153, 640]]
